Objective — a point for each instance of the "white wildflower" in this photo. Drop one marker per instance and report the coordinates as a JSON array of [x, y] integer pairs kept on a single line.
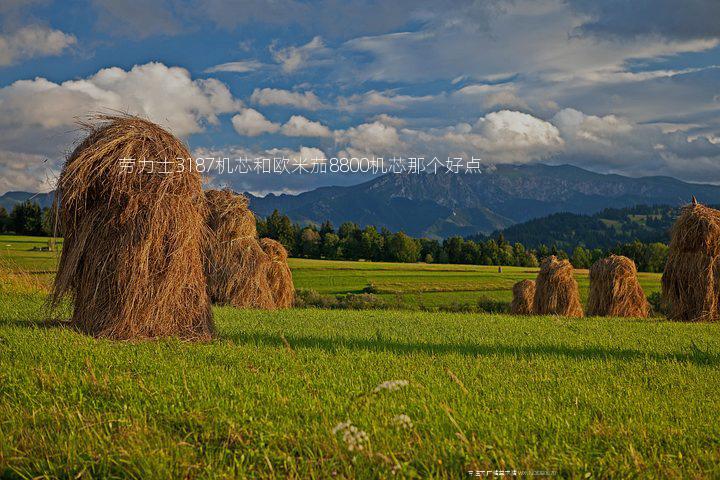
[[391, 385], [402, 421], [354, 438]]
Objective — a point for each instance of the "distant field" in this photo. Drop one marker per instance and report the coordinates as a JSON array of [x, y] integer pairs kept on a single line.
[[415, 284]]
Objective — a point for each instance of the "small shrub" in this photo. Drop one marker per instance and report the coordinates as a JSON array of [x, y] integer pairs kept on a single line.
[[371, 288]]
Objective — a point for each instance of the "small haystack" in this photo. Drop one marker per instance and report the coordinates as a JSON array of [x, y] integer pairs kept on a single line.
[[523, 297], [279, 275], [556, 291], [691, 280], [615, 290], [236, 265], [133, 223]]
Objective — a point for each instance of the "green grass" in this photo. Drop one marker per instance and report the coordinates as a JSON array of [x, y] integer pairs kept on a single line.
[[411, 285], [608, 397], [586, 398]]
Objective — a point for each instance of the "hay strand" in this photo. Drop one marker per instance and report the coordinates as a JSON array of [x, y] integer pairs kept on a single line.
[[235, 265], [131, 259], [523, 298], [691, 279], [615, 290], [556, 290], [279, 274]]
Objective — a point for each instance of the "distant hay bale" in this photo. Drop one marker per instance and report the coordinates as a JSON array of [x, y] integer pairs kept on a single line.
[[691, 279], [235, 264], [523, 298], [131, 259], [556, 290], [615, 290], [279, 274]]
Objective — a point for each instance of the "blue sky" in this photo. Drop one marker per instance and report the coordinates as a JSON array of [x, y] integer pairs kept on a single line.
[[614, 86]]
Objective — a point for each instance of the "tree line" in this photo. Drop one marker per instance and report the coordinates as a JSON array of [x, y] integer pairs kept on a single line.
[[26, 218], [351, 242]]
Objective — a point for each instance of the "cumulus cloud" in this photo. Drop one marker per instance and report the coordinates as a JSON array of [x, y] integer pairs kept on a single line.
[[243, 66], [33, 41], [252, 123], [39, 114], [374, 138], [299, 126], [274, 96]]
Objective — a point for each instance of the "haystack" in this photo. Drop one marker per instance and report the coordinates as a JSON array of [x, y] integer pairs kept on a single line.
[[523, 297], [279, 275], [556, 291], [132, 259], [236, 265], [691, 280], [615, 290]]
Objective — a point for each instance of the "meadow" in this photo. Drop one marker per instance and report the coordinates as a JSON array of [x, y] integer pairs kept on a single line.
[[426, 394]]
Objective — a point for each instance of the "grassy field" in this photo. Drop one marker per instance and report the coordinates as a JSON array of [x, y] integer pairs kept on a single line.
[[411, 285], [272, 395]]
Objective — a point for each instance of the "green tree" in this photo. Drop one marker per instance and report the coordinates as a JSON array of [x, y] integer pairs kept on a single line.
[[581, 257], [310, 242], [371, 244], [280, 228], [4, 220], [402, 248], [330, 245], [26, 219]]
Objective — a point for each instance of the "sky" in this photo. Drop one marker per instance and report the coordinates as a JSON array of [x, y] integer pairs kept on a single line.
[[611, 86]]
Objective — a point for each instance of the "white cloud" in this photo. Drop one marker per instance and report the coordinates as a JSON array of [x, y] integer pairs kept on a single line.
[[295, 58], [167, 95], [33, 41], [374, 100], [578, 126], [252, 123], [273, 96], [25, 172], [374, 138], [299, 126], [243, 66]]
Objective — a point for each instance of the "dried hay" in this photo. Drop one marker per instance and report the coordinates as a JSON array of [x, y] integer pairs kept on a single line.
[[556, 290], [279, 274], [131, 259], [691, 279], [523, 298], [235, 265], [615, 290]]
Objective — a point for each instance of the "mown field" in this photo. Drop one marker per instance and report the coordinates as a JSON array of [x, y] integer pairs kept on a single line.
[[410, 285], [272, 395]]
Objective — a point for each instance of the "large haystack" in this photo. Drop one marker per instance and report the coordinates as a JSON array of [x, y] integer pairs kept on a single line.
[[523, 298], [132, 259], [236, 265], [556, 291], [279, 274], [691, 280], [615, 290]]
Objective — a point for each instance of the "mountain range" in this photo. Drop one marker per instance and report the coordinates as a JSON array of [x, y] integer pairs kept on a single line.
[[442, 205]]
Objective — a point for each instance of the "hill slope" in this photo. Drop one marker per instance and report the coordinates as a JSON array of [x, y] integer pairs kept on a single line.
[[444, 205]]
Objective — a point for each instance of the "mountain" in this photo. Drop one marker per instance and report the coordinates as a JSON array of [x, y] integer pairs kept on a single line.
[[10, 199], [604, 229], [443, 205]]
